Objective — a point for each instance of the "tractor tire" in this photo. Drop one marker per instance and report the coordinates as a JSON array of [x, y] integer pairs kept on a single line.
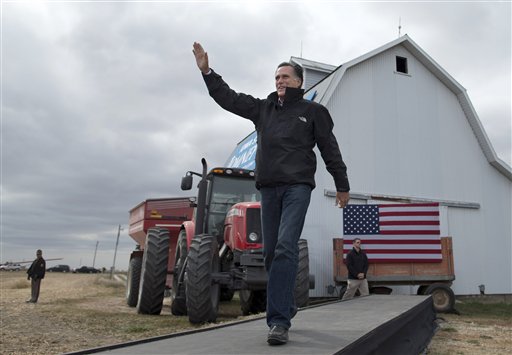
[[178, 295], [133, 281], [226, 294], [154, 272], [380, 290], [442, 296], [202, 294], [301, 292], [422, 290], [253, 301], [343, 289]]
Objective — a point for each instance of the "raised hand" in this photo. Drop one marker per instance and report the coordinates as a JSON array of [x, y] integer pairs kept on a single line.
[[201, 58]]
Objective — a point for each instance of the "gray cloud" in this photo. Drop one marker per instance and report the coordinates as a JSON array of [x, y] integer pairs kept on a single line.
[[103, 106]]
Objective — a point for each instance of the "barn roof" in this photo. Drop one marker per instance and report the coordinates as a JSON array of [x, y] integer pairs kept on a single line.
[[311, 64], [326, 87]]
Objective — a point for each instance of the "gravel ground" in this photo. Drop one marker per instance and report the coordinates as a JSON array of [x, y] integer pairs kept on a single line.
[[472, 335], [82, 311]]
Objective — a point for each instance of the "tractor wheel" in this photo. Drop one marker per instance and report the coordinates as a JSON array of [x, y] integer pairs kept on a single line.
[[154, 272], [343, 289], [253, 302], [178, 296], [443, 297], [380, 290], [302, 280], [133, 281], [226, 294], [202, 294], [422, 290]]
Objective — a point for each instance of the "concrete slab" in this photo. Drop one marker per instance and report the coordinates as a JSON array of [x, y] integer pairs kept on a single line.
[[325, 329]]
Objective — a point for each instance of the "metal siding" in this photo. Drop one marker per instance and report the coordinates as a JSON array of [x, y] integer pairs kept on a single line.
[[401, 128], [407, 135], [311, 77], [482, 238], [323, 223]]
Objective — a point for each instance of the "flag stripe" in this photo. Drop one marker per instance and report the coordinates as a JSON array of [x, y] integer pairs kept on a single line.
[[388, 247], [370, 252], [434, 205], [408, 223], [393, 237], [395, 242], [408, 218], [409, 232], [409, 213]]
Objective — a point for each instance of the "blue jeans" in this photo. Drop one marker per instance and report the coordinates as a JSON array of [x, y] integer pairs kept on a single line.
[[283, 210]]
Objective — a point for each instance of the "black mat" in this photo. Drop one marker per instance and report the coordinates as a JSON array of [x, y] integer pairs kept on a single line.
[[377, 324]]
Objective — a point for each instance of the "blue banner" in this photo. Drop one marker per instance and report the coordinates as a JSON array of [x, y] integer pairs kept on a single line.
[[244, 155]]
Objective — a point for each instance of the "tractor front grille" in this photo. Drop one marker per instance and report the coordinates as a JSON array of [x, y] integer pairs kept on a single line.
[[254, 225]]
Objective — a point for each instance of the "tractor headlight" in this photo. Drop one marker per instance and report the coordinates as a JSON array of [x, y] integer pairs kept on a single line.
[[253, 237]]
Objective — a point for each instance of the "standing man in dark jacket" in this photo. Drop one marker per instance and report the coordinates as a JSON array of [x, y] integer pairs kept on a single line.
[[357, 265], [36, 272], [288, 129]]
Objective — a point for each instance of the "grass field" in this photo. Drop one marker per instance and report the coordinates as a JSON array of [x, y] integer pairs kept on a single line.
[[83, 311]]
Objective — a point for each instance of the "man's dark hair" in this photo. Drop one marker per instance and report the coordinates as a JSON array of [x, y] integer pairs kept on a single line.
[[297, 68]]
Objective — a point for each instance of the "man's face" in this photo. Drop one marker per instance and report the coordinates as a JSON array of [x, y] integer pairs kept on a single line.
[[357, 244], [285, 77]]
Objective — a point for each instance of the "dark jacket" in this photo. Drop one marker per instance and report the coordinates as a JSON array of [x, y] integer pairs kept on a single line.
[[287, 135], [356, 262], [37, 269]]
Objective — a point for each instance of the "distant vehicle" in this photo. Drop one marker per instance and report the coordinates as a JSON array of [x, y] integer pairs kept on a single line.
[[86, 270], [59, 268], [10, 267]]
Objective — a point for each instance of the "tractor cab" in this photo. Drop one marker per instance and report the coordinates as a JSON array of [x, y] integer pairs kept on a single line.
[[227, 187], [219, 190]]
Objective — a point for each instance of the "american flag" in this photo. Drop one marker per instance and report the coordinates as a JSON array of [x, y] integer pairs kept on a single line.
[[394, 232]]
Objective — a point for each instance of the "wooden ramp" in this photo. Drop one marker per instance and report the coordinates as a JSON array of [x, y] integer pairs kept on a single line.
[[376, 324]]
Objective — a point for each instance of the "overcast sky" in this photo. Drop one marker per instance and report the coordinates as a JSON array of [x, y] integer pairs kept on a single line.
[[104, 107]]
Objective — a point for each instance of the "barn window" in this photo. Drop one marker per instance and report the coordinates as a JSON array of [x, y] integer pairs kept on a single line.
[[401, 65]]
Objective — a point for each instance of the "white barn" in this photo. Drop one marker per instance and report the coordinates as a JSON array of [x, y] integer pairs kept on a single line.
[[408, 133], [313, 71]]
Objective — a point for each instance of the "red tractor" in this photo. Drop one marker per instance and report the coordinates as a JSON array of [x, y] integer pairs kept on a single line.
[[211, 255], [221, 250]]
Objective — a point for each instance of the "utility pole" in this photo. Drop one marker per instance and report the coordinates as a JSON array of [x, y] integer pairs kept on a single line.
[[95, 250], [119, 229]]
